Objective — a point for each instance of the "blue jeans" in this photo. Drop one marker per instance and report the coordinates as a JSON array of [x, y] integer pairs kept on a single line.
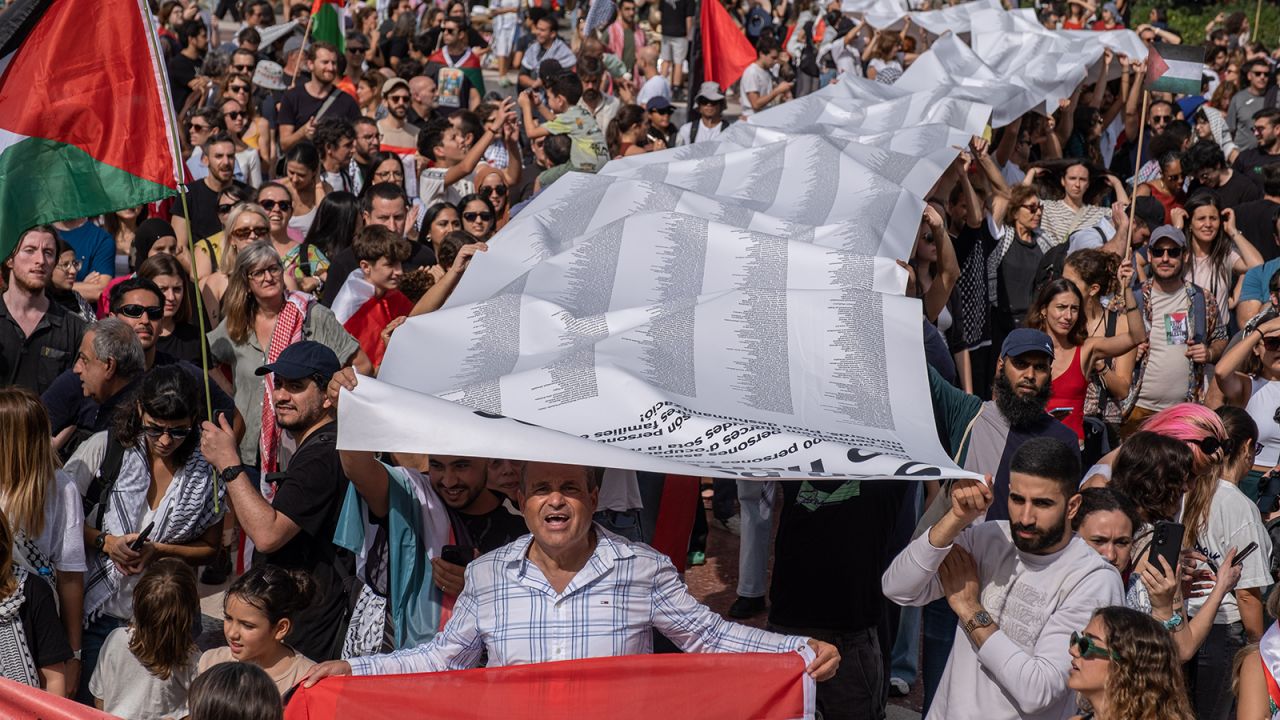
[[622, 522], [906, 646], [939, 635], [92, 640], [753, 550]]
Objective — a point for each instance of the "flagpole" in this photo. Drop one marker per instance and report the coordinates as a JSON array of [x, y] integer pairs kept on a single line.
[[1257, 18], [1137, 163], [306, 35], [175, 148]]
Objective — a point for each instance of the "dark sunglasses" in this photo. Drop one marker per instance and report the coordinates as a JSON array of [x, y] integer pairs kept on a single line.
[[1210, 445], [1089, 648], [284, 205], [1173, 252], [357, 49], [494, 190], [234, 114], [225, 208], [155, 432], [1033, 208], [474, 216], [243, 69], [664, 111], [1271, 344], [201, 128], [154, 312], [1160, 119], [245, 233], [237, 88]]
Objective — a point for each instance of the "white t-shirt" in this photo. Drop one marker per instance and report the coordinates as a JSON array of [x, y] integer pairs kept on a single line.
[[704, 133], [619, 491], [62, 538], [755, 79], [1234, 521], [432, 190], [127, 689]]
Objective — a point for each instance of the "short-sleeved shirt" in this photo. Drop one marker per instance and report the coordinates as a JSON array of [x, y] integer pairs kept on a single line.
[[535, 54], [246, 357], [1165, 381], [1059, 220], [284, 677], [495, 528], [1250, 163], [298, 106], [1237, 191], [755, 79], [94, 248], [588, 151], [1257, 281], [128, 689], [1257, 220], [183, 343], [202, 201], [310, 493], [182, 70], [61, 539], [46, 638], [344, 262], [674, 15], [34, 362]]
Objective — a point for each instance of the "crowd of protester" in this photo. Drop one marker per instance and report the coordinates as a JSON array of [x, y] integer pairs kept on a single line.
[[1101, 303]]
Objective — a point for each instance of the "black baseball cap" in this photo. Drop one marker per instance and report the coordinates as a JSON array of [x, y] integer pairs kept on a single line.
[[302, 360]]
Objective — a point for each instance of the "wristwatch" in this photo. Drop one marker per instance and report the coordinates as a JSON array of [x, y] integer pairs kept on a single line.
[[980, 619], [231, 473], [100, 541]]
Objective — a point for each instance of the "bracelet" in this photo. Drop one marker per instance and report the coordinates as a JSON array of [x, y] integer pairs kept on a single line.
[[1131, 308], [1173, 623]]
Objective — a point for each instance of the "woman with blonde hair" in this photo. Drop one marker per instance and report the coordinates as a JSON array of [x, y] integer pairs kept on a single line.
[[43, 506], [33, 648], [1124, 667], [246, 223]]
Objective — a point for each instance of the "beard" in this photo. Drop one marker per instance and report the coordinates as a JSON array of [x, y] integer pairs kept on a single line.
[[1018, 410], [1042, 539], [591, 96]]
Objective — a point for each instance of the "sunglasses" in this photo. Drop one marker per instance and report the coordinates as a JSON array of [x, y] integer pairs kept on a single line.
[[357, 50], [396, 99], [1089, 648], [474, 216], [225, 208], [237, 88], [234, 114], [1034, 208], [155, 432], [245, 233], [494, 190], [201, 128], [1160, 119], [1210, 445], [1258, 73], [1173, 252], [1271, 344], [243, 69], [283, 205], [664, 111], [153, 312]]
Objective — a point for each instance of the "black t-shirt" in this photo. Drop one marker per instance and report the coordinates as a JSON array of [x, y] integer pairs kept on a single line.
[[298, 106], [203, 203], [831, 548], [311, 493], [493, 529], [343, 263], [182, 70], [1256, 219], [1237, 191], [1018, 276], [674, 13], [46, 638], [183, 343], [1249, 163]]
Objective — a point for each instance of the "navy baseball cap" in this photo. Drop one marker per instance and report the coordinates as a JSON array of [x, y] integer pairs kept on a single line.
[[302, 360], [657, 102], [1026, 340]]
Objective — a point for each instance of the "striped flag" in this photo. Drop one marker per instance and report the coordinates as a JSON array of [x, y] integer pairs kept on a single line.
[[329, 23], [83, 113], [1175, 68]]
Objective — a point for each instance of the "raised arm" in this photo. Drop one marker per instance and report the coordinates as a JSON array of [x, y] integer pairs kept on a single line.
[[361, 467], [948, 267]]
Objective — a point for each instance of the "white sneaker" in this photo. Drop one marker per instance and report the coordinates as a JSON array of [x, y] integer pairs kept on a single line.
[[898, 687]]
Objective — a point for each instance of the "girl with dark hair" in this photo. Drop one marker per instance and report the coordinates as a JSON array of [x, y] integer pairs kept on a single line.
[[122, 225], [147, 667], [62, 284], [478, 216], [1218, 250], [1106, 520], [234, 691], [163, 482], [627, 133], [33, 643], [305, 265], [1057, 311], [257, 616], [178, 336], [153, 237], [388, 167], [1125, 667], [440, 220], [301, 177], [1095, 274], [1168, 187], [337, 220]]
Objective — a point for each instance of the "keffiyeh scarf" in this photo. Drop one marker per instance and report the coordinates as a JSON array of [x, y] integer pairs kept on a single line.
[[16, 661], [288, 331]]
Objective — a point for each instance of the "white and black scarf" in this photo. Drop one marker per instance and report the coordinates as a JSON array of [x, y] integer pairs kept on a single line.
[[185, 512], [1008, 236], [16, 660]]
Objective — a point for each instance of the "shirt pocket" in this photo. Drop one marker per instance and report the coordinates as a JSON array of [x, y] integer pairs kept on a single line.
[[52, 363]]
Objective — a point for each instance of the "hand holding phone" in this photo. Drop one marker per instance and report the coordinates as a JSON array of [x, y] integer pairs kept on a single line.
[[141, 540]]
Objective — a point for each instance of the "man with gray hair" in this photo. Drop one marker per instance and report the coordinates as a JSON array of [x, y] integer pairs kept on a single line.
[[110, 359]]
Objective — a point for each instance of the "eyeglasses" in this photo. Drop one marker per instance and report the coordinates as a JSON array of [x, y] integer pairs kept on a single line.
[[283, 205], [153, 312], [1173, 252], [263, 273], [245, 233], [494, 190], [1089, 648], [234, 114], [1033, 208], [1210, 445], [155, 432], [70, 266], [474, 216]]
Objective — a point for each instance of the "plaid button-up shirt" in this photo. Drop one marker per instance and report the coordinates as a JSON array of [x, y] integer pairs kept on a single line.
[[508, 609]]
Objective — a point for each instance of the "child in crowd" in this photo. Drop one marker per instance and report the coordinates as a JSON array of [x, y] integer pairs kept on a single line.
[[380, 253], [145, 669], [33, 644], [235, 691], [589, 152], [256, 619]]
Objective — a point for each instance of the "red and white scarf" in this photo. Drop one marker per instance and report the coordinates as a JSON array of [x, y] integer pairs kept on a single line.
[[1269, 650], [288, 331]]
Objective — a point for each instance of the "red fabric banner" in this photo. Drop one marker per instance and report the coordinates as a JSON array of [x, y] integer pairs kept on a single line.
[[726, 52], [22, 702], [712, 686]]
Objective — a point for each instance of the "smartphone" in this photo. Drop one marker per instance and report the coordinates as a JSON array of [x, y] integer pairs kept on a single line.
[[1246, 552], [137, 543], [1166, 542], [1060, 412], [458, 554]]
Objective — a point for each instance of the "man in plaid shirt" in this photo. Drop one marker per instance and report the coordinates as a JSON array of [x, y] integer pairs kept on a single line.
[[572, 590]]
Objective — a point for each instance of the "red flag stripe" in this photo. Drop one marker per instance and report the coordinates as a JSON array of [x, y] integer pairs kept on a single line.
[[726, 52]]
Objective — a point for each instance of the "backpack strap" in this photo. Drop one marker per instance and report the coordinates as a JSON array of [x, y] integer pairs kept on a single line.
[[95, 498], [1110, 320], [693, 131], [1199, 321]]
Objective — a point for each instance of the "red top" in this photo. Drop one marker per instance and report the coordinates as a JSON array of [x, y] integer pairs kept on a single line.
[[1166, 199], [367, 323], [1067, 390]]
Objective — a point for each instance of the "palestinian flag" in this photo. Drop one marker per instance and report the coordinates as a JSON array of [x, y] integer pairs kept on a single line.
[[1175, 68], [329, 23], [469, 64], [84, 111]]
